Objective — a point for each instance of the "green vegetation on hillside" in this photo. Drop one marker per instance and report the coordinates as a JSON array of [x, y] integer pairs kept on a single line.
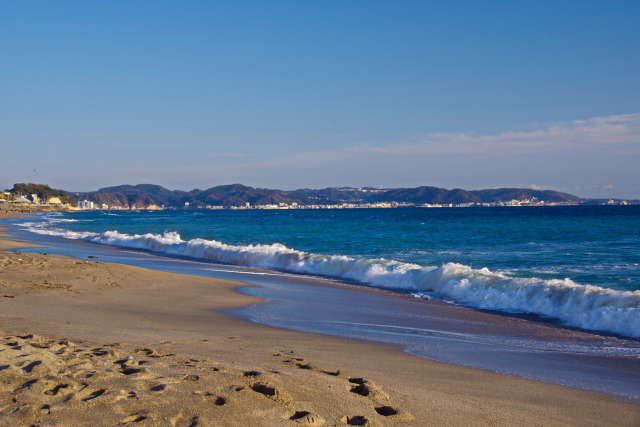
[[144, 195], [44, 192]]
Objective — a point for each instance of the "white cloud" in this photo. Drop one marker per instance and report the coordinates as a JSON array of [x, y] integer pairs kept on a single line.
[[620, 131]]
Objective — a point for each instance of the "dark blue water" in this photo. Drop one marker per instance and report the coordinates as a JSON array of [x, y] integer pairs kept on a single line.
[[578, 264]]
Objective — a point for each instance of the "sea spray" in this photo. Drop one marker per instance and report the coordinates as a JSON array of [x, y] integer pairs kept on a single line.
[[584, 306]]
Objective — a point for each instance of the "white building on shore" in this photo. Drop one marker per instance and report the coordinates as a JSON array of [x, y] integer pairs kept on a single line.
[[86, 204]]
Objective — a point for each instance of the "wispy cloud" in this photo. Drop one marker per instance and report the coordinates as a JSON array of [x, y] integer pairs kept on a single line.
[[541, 187], [620, 131], [581, 151], [608, 147]]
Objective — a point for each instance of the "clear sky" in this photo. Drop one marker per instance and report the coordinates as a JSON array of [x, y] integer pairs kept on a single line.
[[311, 94]]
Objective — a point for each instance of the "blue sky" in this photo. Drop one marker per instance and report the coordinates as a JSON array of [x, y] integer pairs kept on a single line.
[[294, 94]]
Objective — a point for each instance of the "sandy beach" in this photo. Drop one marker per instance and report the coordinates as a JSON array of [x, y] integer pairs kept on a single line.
[[85, 342]]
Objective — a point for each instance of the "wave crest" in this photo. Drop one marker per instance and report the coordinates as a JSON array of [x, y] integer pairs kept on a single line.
[[584, 306]]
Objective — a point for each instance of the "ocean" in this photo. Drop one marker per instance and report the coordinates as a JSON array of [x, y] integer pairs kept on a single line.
[[579, 265], [546, 293]]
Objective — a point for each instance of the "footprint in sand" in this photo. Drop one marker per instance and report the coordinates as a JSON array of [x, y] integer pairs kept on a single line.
[[94, 395], [386, 411], [136, 418], [31, 366], [393, 413], [360, 388], [307, 366], [54, 391], [102, 352], [368, 389], [124, 361], [356, 420], [149, 352], [131, 371], [306, 417], [217, 400], [40, 344], [25, 386], [184, 420], [190, 363], [125, 395], [300, 363], [271, 392]]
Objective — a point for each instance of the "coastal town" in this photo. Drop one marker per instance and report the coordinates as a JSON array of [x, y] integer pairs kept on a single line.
[[33, 202]]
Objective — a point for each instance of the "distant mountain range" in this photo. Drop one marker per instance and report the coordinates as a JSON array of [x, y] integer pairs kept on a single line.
[[145, 195]]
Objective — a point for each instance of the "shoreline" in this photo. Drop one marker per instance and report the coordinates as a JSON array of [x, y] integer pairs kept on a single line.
[[580, 289], [167, 313]]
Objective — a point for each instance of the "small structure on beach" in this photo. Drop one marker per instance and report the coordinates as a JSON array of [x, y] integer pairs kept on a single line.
[[22, 199]]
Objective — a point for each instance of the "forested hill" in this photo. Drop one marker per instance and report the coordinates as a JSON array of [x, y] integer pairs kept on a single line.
[[145, 195], [42, 191]]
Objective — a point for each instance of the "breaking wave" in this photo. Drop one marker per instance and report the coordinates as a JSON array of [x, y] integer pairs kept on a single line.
[[584, 306]]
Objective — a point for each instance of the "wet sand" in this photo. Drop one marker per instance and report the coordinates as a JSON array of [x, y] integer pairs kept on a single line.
[[86, 342]]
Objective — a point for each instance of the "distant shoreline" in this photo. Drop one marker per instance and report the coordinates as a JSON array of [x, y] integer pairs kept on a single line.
[[35, 208], [238, 196]]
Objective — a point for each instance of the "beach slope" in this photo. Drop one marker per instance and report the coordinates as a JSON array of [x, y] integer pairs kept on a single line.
[[91, 343]]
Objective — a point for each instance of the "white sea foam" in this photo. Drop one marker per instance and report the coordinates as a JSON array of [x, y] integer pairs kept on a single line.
[[584, 306]]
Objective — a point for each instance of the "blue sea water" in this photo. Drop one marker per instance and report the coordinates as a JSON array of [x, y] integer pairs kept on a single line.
[[577, 264]]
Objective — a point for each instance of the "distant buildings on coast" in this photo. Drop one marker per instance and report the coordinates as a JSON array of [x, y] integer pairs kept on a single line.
[[32, 202], [31, 199], [86, 204], [389, 205], [89, 205]]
